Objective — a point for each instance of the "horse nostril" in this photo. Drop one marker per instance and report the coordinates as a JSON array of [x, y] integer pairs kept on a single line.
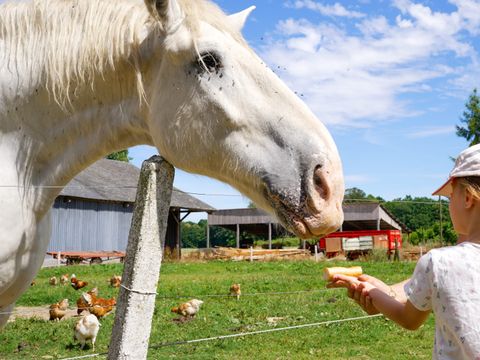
[[319, 182], [317, 179]]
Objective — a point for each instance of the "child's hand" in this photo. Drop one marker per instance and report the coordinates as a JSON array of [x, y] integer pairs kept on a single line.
[[364, 287], [358, 288], [348, 282], [362, 292]]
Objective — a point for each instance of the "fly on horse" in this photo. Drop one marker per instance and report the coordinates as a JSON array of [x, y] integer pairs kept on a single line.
[[82, 78]]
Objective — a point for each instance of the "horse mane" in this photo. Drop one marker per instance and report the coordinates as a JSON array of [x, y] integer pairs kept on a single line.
[[63, 43]]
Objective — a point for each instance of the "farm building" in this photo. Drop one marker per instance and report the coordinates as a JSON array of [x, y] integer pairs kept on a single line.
[[358, 216], [94, 211]]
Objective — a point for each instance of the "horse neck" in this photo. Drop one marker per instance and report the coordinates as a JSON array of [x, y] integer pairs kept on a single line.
[[54, 143]]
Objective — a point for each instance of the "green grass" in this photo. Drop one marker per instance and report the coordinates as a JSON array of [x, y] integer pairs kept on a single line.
[[375, 338]]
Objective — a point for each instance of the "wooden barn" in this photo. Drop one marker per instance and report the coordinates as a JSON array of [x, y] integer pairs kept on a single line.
[[358, 216], [94, 211]]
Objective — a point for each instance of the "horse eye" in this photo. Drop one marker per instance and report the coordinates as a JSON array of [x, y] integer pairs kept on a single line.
[[209, 61]]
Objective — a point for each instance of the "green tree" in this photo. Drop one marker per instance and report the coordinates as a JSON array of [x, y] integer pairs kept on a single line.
[[354, 193], [471, 119], [121, 155], [194, 235], [419, 212]]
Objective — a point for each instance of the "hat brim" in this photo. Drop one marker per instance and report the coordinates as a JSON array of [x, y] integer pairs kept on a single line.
[[445, 189]]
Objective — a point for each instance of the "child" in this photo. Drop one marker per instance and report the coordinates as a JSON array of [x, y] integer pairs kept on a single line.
[[446, 280]]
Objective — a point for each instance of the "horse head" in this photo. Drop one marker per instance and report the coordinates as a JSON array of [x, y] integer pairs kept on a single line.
[[214, 108]]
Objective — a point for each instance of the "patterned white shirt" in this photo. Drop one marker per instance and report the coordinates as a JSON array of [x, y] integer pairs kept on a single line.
[[447, 281]]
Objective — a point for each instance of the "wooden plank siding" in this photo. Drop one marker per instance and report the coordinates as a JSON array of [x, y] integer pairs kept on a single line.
[[240, 216], [84, 225], [94, 211]]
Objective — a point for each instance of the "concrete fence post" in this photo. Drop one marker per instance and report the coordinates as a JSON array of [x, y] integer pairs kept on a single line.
[[136, 299]]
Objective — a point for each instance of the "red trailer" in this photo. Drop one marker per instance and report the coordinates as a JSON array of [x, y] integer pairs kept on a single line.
[[93, 257], [360, 241]]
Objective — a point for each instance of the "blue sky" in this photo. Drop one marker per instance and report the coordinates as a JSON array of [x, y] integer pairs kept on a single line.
[[389, 79]]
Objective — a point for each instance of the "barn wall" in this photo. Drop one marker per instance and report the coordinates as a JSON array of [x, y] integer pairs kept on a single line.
[[81, 225], [172, 235]]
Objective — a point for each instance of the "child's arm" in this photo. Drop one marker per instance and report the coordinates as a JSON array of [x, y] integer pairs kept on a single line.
[[365, 302], [404, 314]]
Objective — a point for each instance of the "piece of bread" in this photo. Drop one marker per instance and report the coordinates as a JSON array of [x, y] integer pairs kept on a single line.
[[354, 271]]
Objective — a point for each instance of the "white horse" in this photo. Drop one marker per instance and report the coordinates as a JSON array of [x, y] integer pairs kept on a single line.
[[82, 78]]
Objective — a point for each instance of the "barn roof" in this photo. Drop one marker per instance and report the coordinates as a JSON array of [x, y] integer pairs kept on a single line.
[[111, 180]]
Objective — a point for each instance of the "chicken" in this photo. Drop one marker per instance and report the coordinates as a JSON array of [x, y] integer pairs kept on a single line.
[[77, 284], [63, 304], [86, 329], [188, 309], [115, 281], [235, 291], [58, 310], [102, 307], [53, 281], [87, 299], [64, 279]]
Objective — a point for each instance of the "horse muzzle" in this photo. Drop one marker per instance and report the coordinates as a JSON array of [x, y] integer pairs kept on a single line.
[[312, 208]]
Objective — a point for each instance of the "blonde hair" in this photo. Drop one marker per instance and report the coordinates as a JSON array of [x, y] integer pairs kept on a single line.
[[471, 184]]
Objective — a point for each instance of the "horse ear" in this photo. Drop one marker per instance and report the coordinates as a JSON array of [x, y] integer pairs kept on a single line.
[[168, 12], [238, 20]]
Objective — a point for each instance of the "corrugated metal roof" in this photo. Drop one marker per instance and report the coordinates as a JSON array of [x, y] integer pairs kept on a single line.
[[111, 180]]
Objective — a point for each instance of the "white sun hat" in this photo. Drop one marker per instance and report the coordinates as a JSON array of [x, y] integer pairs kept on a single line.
[[467, 164]]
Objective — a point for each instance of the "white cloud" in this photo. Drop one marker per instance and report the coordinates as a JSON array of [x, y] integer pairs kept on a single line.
[[356, 179], [469, 10], [356, 79], [432, 131], [327, 10], [375, 26]]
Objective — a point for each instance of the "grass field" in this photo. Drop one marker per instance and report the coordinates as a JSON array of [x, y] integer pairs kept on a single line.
[[373, 338]]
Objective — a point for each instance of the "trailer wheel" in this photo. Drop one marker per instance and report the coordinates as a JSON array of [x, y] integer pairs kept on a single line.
[[95, 260]]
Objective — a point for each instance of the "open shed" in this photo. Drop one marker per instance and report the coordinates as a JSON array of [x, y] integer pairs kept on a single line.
[[369, 216], [358, 216], [94, 211]]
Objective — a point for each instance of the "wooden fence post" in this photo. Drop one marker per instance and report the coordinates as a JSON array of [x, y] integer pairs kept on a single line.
[[136, 299]]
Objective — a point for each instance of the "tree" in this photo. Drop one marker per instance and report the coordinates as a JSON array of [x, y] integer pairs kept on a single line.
[[358, 194], [471, 119], [121, 155], [418, 212], [194, 235], [355, 194]]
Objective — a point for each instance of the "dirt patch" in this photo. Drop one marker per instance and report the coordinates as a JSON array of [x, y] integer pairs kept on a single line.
[[38, 312]]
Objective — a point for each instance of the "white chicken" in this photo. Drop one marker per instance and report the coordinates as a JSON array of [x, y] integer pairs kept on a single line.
[[188, 309], [86, 329]]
